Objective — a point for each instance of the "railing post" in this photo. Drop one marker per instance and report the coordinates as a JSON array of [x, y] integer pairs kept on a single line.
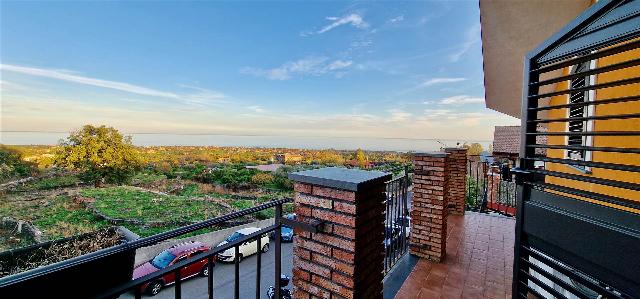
[[429, 212], [345, 258], [456, 177], [278, 251]]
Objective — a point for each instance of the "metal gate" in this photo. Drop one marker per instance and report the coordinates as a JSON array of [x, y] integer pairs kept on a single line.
[[490, 185], [397, 219], [578, 216]]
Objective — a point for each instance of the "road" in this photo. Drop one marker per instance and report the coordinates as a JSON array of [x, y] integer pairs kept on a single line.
[[224, 279]]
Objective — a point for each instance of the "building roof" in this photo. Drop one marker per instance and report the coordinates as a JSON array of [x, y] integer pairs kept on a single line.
[[506, 139]]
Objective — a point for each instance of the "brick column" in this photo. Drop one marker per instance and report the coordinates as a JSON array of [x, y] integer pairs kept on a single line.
[[456, 177], [344, 259], [429, 213]]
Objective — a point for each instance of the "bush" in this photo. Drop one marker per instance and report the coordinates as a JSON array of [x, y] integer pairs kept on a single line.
[[262, 178], [12, 165]]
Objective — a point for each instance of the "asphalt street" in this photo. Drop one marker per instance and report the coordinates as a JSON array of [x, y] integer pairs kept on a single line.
[[224, 277]]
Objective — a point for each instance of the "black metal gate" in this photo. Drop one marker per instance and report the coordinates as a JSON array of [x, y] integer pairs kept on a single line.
[[490, 185], [397, 219], [578, 208]]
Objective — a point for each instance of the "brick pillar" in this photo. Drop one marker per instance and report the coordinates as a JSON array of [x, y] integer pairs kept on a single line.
[[456, 177], [344, 259], [429, 213]]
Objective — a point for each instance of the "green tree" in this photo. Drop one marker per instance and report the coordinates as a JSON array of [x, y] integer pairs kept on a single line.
[[361, 158], [11, 164], [473, 149], [100, 154]]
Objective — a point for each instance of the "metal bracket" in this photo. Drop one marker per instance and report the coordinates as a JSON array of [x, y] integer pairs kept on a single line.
[[312, 226], [521, 175]]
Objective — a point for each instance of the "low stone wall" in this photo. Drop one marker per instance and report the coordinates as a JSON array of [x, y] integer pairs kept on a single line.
[[212, 239]]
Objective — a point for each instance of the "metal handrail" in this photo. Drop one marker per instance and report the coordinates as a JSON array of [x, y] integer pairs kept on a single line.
[[129, 246]]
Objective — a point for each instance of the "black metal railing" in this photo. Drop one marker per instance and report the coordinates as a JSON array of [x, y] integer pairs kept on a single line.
[[14, 286], [397, 219], [135, 285], [490, 185]]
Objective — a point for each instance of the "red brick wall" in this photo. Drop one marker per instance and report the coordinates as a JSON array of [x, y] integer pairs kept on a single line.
[[429, 213], [345, 259], [456, 179]]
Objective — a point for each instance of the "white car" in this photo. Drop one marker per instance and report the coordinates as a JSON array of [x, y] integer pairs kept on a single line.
[[245, 249]]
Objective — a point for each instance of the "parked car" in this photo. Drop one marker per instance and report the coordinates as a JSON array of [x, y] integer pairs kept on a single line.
[[247, 248], [168, 257], [286, 232]]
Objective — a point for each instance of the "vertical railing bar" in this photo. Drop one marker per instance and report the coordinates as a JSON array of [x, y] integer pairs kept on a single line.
[[278, 251], [236, 286], [258, 264], [138, 292], [178, 287], [387, 198], [405, 210], [210, 278]]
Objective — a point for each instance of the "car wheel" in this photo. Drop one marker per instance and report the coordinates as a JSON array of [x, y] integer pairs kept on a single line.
[[154, 288], [265, 248], [239, 258]]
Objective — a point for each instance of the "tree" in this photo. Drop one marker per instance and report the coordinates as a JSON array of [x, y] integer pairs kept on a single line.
[[473, 149], [361, 158], [100, 154], [12, 164]]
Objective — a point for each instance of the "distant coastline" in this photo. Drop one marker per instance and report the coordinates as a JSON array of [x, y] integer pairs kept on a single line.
[[294, 142]]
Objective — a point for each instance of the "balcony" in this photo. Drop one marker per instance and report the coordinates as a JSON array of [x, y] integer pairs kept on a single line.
[[478, 264]]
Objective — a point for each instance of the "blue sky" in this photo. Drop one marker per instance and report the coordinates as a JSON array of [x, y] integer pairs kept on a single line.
[[363, 69]]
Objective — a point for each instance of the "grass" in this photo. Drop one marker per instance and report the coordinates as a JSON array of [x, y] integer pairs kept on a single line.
[[130, 203], [143, 178], [56, 218], [50, 183]]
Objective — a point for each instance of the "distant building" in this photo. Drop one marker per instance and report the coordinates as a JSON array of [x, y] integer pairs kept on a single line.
[[267, 167], [506, 142], [288, 158]]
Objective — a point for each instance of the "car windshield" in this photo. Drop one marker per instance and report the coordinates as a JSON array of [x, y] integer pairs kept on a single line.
[[234, 236], [163, 259]]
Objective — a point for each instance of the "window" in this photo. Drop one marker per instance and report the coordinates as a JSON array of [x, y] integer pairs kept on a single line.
[[163, 259], [576, 115]]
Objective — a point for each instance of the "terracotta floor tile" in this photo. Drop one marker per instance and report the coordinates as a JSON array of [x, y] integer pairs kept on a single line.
[[478, 264]]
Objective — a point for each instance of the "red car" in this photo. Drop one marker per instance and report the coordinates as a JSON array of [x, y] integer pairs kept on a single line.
[[174, 254]]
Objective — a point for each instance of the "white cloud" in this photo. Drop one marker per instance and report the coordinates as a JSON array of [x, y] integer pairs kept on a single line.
[[435, 81], [354, 20], [472, 36], [314, 66], [398, 115], [461, 99], [257, 109], [200, 96], [397, 19]]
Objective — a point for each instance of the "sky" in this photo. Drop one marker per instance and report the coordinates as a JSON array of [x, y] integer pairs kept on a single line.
[[406, 70]]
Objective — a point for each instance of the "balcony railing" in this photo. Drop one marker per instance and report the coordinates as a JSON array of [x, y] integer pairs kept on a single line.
[[11, 286]]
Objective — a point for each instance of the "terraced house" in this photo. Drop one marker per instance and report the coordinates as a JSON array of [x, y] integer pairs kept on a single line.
[[570, 70]]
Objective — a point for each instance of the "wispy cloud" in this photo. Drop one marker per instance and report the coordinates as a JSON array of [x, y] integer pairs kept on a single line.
[[313, 66], [200, 96], [256, 108], [353, 19], [436, 81], [461, 99], [472, 36], [397, 19], [398, 115]]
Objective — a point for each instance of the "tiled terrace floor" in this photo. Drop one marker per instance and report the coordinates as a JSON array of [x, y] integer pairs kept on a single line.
[[478, 263]]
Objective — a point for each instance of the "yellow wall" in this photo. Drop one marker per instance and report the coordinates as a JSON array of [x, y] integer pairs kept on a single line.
[[603, 125]]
